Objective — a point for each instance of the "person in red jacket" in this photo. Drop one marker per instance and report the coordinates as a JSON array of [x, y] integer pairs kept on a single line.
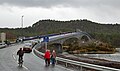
[[47, 57]]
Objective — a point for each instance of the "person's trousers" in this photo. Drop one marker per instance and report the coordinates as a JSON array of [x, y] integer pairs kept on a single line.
[[47, 61], [53, 60], [20, 58]]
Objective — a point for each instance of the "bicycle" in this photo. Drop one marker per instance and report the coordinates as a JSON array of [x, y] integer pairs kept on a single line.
[[20, 62]]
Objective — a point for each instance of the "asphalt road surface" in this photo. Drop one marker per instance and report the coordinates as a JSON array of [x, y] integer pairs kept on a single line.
[[8, 61]]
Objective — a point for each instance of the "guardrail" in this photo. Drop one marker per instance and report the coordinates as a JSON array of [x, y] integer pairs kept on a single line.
[[81, 64]]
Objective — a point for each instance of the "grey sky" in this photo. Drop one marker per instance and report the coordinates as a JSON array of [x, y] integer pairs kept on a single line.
[[102, 11], [52, 3]]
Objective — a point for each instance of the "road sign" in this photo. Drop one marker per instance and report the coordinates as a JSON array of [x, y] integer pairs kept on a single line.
[[46, 39]]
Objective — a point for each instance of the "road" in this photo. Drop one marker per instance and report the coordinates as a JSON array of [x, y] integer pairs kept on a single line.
[[8, 61]]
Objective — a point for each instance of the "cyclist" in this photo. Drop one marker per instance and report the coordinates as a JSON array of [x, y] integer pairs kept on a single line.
[[20, 53]]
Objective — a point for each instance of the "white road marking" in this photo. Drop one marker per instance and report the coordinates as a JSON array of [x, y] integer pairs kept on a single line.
[[14, 57], [25, 67]]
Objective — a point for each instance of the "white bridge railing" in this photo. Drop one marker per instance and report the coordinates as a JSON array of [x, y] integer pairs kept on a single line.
[[81, 64], [52, 38]]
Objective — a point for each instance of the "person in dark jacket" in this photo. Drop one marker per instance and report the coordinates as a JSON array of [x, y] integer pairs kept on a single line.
[[47, 57], [20, 53]]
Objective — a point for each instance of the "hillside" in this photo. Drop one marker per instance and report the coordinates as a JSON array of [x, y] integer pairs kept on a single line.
[[104, 32], [84, 25]]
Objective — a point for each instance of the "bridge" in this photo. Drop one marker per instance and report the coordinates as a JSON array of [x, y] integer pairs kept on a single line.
[[59, 40], [79, 35]]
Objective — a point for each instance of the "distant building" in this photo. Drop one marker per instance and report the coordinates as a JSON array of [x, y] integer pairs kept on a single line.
[[8, 36], [3, 37]]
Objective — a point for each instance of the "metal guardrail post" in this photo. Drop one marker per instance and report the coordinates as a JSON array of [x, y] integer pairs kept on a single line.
[[81, 68], [66, 64], [56, 61]]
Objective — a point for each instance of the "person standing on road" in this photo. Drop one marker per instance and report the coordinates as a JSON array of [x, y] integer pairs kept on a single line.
[[47, 57], [20, 53], [53, 57]]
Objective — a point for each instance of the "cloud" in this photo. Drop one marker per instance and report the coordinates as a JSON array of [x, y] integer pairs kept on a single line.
[[105, 11], [52, 3]]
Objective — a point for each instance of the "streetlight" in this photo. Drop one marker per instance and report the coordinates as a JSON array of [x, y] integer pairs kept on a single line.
[[22, 26], [22, 21]]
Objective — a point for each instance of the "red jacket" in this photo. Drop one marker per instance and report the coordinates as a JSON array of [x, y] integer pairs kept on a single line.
[[47, 54]]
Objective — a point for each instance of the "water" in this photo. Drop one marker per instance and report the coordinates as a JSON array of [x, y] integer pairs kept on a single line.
[[111, 57]]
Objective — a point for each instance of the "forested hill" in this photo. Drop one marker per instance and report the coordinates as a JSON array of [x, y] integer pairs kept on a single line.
[[52, 26], [104, 32]]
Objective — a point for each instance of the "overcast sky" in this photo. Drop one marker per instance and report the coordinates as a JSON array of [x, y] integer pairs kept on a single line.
[[101, 11]]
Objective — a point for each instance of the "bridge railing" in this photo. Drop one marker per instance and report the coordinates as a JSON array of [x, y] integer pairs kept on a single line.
[[61, 36]]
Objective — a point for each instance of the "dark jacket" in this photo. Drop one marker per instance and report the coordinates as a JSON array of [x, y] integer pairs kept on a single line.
[[20, 52]]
